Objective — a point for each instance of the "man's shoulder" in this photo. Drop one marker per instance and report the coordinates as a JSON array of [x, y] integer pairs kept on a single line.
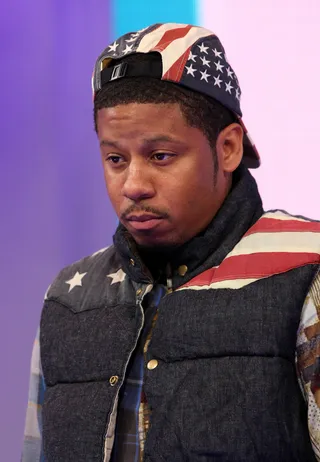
[[284, 216], [82, 276], [280, 221], [284, 234]]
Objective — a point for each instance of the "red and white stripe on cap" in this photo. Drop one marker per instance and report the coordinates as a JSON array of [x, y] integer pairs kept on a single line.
[[172, 42]]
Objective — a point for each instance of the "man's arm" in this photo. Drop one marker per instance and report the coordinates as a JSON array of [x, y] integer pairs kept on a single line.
[[308, 360], [32, 444]]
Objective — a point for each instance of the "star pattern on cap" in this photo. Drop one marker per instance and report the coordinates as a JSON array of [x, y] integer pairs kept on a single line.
[[205, 62], [114, 46], [192, 57], [191, 70], [142, 30], [76, 280], [133, 38], [208, 65], [230, 72], [203, 49], [135, 35], [204, 75], [229, 87], [127, 49], [217, 81], [119, 276], [219, 66], [217, 54]]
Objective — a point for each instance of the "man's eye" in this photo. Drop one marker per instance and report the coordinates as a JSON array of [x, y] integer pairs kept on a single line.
[[162, 156], [113, 159]]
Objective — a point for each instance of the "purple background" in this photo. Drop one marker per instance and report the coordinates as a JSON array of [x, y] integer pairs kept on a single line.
[[53, 203], [54, 207]]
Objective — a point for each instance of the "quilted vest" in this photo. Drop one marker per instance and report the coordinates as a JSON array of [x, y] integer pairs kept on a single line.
[[225, 387]]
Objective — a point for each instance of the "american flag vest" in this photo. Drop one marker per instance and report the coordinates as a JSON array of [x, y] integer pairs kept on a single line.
[[225, 387], [277, 243]]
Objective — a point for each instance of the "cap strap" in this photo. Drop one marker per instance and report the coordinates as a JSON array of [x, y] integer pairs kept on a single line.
[[145, 69]]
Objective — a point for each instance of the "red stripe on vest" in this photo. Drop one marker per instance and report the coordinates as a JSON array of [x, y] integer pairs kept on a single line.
[[254, 266], [274, 225]]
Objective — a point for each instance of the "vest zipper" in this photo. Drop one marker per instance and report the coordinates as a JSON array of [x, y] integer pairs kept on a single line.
[[106, 456], [169, 279]]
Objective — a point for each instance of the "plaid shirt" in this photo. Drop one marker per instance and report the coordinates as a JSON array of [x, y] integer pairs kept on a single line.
[[133, 414]]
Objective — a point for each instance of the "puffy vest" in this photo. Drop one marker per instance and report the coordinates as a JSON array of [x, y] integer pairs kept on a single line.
[[225, 387]]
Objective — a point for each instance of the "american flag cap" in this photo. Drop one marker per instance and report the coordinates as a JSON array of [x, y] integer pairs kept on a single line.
[[191, 56]]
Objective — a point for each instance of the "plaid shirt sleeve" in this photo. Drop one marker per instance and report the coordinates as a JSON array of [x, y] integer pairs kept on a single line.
[[32, 444], [308, 360]]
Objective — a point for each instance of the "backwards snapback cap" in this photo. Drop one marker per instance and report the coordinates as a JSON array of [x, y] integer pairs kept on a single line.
[[190, 56]]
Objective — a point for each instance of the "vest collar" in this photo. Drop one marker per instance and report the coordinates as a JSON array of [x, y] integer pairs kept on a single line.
[[241, 209]]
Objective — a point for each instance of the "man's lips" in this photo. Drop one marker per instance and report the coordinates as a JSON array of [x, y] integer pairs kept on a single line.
[[144, 222], [142, 218]]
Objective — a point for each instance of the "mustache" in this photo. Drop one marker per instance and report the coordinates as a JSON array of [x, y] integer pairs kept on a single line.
[[143, 208]]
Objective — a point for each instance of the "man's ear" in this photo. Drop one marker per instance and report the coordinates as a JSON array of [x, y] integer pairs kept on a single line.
[[229, 147]]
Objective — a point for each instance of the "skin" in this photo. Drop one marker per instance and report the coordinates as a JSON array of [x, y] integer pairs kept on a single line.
[[154, 162]]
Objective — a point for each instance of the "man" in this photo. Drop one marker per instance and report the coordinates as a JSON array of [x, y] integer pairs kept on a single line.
[[195, 336]]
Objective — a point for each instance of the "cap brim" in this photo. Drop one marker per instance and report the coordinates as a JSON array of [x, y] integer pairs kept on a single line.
[[251, 157]]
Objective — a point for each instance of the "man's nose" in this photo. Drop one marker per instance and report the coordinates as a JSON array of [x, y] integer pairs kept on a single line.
[[138, 184]]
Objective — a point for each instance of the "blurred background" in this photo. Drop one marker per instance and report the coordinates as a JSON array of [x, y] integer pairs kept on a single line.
[[54, 207]]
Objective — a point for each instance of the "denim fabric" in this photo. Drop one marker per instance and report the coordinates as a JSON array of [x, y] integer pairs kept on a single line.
[[225, 388]]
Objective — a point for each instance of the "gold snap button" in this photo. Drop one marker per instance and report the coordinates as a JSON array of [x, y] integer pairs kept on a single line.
[[132, 262], [113, 380], [139, 292], [152, 364], [182, 270]]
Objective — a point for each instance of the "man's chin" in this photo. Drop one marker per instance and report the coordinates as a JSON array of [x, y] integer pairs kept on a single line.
[[155, 243]]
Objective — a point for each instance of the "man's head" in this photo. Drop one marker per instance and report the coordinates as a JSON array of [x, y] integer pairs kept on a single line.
[[168, 151]]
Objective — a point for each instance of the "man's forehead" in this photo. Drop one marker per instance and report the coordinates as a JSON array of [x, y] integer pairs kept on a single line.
[[145, 139]]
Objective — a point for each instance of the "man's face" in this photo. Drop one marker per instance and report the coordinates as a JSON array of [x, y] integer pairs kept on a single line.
[[159, 172]]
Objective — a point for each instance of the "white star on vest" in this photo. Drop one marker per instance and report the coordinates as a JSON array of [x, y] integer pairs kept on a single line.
[[76, 281], [119, 276], [46, 294], [99, 251]]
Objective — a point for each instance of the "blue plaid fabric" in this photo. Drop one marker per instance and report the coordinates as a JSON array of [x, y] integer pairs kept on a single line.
[[129, 438], [32, 445]]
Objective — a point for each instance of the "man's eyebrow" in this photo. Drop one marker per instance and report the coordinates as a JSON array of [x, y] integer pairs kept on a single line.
[[161, 139], [112, 144], [150, 140]]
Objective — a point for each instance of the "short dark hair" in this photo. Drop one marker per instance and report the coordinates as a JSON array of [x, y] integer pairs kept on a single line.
[[199, 110]]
